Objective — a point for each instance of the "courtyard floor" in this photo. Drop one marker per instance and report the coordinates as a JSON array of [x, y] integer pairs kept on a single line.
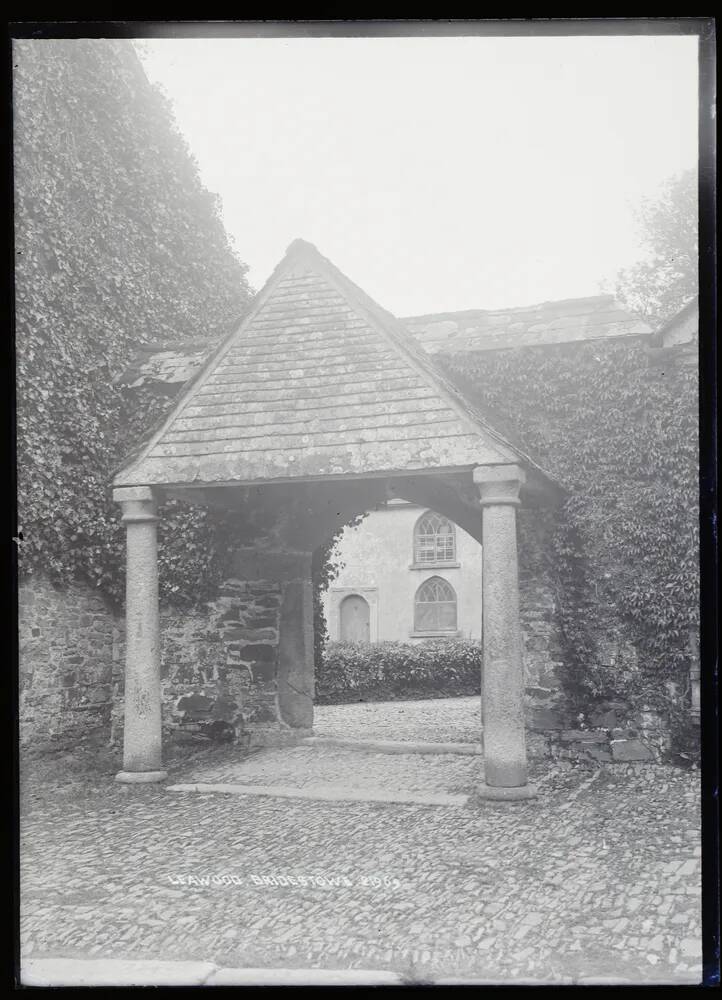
[[598, 877]]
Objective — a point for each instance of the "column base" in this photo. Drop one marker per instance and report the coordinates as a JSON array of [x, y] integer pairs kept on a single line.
[[500, 793], [140, 777]]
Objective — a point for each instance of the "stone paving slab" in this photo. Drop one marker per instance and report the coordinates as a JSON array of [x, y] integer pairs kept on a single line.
[[304, 977], [360, 773], [326, 793], [54, 972], [113, 972], [598, 877], [394, 746]]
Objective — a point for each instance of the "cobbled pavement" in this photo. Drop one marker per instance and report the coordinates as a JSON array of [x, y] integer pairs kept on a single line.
[[599, 876]]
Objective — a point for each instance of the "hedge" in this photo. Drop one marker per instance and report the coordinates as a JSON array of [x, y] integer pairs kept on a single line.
[[387, 670]]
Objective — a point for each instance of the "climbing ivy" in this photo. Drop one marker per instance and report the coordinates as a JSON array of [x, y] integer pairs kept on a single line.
[[327, 564], [117, 244], [619, 431]]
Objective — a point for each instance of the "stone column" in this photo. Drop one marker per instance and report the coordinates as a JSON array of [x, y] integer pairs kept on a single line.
[[142, 725], [295, 650], [502, 691]]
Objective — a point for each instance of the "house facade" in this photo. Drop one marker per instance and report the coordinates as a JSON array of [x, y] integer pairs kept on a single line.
[[406, 574]]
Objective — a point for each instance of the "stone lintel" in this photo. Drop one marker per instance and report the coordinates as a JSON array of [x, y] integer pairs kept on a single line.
[[499, 484], [282, 565]]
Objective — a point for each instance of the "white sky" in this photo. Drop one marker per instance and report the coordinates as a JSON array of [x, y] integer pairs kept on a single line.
[[438, 173]]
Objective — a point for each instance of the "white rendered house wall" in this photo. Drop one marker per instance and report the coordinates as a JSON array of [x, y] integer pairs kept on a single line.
[[374, 597]]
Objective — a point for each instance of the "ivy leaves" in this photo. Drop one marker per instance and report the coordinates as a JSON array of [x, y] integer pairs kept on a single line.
[[117, 244], [622, 435]]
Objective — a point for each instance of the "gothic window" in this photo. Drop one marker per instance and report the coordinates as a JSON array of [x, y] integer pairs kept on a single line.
[[435, 606], [434, 539]]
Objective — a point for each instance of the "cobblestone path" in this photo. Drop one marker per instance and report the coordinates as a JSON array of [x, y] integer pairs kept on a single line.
[[600, 876], [437, 720]]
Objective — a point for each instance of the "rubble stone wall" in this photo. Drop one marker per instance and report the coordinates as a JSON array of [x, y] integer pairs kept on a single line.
[[65, 668], [218, 662]]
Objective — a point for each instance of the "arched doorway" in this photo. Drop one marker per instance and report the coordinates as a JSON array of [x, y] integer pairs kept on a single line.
[[355, 619]]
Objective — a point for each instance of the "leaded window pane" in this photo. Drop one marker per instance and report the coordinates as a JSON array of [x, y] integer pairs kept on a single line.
[[435, 607], [434, 539]]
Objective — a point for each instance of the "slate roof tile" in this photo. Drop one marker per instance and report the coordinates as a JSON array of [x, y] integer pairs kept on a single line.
[[312, 345], [597, 317]]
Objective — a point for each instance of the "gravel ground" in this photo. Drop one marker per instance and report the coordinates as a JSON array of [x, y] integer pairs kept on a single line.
[[599, 876]]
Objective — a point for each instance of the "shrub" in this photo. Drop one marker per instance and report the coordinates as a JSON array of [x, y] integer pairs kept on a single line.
[[388, 670]]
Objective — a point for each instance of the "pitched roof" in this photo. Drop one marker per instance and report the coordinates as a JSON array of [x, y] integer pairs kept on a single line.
[[567, 321], [317, 381], [594, 318]]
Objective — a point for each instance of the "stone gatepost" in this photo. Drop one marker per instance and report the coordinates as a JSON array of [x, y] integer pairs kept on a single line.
[[296, 681], [281, 697], [502, 691], [142, 758]]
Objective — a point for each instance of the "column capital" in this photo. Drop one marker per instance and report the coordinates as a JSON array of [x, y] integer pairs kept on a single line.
[[139, 503], [499, 484]]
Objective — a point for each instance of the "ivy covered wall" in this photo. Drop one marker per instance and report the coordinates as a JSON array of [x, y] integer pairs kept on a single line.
[[117, 244], [616, 423]]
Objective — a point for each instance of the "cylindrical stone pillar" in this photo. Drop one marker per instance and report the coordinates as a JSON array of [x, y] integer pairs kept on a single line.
[[502, 689], [142, 725]]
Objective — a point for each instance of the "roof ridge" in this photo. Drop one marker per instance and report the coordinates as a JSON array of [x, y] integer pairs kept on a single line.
[[389, 327], [403, 339], [516, 309]]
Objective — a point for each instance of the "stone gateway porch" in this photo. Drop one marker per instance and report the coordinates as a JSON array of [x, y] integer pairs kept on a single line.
[[318, 407]]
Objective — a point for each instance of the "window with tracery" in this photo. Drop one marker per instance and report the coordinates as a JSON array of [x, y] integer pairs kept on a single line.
[[435, 606], [434, 539]]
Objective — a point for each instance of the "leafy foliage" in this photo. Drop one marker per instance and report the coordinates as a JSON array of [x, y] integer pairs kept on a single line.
[[621, 435], [117, 244], [666, 279], [327, 564], [387, 670]]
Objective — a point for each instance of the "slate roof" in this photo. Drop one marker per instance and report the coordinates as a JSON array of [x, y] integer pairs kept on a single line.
[[594, 318], [566, 321], [317, 381]]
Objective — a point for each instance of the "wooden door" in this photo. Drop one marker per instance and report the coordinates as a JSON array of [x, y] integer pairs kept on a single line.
[[355, 619]]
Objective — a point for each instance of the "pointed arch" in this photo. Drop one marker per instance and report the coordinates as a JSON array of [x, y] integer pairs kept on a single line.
[[434, 539], [435, 606]]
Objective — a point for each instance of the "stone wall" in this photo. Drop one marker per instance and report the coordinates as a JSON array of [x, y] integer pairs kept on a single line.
[[538, 617], [65, 671], [218, 662], [221, 664]]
